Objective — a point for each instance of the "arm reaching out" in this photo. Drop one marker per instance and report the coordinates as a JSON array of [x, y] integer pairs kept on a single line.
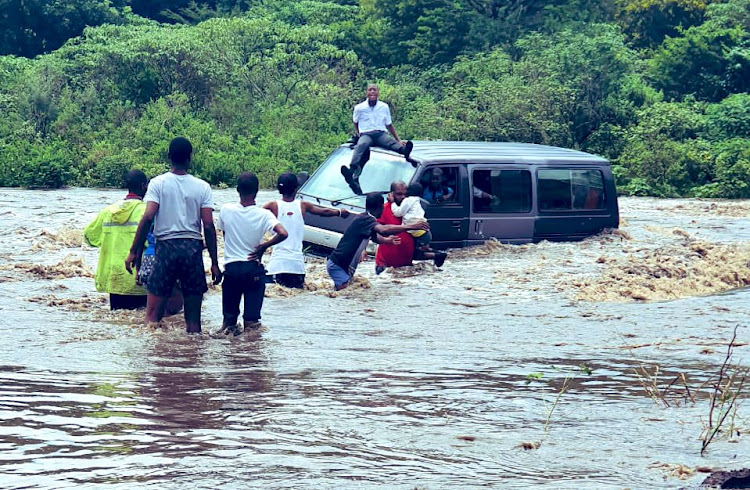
[[308, 207], [396, 229]]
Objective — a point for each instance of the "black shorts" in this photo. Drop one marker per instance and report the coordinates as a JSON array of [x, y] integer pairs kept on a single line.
[[180, 259]]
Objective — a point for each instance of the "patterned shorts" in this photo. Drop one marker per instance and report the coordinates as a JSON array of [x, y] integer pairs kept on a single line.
[[180, 259]]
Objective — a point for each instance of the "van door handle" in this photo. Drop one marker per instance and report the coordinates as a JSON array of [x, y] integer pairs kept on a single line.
[[477, 225], [456, 223]]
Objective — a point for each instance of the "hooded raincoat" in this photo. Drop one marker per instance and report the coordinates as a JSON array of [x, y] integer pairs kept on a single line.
[[113, 231]]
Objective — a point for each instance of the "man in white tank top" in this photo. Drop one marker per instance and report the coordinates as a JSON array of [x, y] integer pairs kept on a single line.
[[287, 264]]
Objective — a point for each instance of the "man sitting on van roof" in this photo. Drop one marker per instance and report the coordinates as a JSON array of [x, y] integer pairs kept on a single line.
[[372, 118]]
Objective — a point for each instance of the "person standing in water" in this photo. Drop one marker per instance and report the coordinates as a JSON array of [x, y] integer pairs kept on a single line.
[[244, 225], [177, 204], [343, 261], [287, 264], [372, 123], [113, 231]]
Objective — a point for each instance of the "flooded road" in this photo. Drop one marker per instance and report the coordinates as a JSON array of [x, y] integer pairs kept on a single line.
[[513, 366]]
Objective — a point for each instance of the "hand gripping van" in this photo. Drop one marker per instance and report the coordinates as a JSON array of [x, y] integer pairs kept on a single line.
[[473, 191]]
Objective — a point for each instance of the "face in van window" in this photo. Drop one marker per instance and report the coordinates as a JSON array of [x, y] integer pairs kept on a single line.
[[439, 185]]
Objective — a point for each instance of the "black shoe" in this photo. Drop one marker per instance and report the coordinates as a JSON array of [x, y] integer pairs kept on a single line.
[[347, 173], [408, 147], [413, 162], [440, 258], [379, 269], [354, 185]]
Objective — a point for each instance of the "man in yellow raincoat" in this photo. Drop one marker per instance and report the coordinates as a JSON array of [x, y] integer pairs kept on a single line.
[[113, 231]]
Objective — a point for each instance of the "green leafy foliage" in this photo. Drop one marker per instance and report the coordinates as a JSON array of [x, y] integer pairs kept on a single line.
[[659, 87]]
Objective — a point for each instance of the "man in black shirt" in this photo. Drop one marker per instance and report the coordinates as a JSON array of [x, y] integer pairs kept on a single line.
[[344, 260]]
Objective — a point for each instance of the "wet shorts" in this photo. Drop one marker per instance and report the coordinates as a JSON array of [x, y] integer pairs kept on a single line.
[[180, 259], [339, 275]]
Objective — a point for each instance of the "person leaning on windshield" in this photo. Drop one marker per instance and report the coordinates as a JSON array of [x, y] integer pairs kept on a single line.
[[177, 204], [372, 123], [113, 231], [343, 261], [287, 264]]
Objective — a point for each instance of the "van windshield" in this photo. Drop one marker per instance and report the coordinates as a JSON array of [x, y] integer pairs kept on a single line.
[[381, 169]]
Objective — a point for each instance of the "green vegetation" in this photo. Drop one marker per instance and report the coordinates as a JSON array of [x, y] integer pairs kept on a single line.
[[658, 86]]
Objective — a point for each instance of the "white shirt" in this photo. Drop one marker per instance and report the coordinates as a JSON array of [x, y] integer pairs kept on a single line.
[[372, 118], [243, 227], [287, 256], [410, 211], [180, 199]]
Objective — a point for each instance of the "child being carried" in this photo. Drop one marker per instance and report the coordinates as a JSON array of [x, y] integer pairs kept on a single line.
[[411, 212]]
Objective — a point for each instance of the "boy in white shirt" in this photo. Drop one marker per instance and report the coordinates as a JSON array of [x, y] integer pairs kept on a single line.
[[244, 225]]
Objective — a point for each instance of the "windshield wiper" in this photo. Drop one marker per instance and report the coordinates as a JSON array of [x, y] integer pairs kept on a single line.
[[309, 195], [339, 201]]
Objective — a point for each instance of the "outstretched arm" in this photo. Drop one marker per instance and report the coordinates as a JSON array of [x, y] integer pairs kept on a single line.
[[308, 207], [389, 240], [396, 229], [136, 249]]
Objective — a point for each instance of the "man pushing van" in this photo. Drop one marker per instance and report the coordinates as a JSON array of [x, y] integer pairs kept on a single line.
[[372, 123]]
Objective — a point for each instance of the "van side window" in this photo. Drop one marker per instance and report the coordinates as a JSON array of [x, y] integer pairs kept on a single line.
[[501, 191], [440, 185], [567, 190]]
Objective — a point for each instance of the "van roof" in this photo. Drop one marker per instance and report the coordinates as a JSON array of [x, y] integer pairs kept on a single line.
[[480, 152]]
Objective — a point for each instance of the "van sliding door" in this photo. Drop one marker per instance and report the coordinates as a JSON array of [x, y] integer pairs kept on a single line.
[[501, 203]]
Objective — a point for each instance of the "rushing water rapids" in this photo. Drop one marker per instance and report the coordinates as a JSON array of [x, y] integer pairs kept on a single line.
[[415, 378]]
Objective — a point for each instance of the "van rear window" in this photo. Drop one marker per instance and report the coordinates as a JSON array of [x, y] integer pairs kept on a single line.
[[501, 191], [570, 190]]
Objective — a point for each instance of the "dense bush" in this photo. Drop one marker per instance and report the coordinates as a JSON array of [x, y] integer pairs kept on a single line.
[[660, 88]]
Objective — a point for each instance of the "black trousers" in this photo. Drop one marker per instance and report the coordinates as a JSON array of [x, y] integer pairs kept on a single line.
[[361, 152], [242, 279]]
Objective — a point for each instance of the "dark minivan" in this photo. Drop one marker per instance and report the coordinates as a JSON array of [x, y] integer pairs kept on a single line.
[[473, 191]]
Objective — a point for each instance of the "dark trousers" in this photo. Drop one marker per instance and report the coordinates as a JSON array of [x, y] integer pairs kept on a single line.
[[361, 152], [294, 281], [242, 279]]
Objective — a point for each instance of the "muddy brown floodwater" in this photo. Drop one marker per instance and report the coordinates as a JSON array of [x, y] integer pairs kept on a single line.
[[418, 377]]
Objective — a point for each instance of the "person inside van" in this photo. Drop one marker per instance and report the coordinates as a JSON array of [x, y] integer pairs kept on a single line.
[[372, 123], [437, 190], [343, 261]]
